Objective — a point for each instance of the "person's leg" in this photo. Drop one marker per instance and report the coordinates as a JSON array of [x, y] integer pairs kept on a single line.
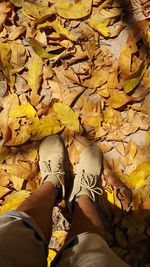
[[39, 206], [85, 218]]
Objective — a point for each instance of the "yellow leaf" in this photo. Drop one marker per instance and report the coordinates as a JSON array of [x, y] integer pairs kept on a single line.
[[25, 110], [22, 169], [51, 256], [58, 28], [14, 200], [112, 116], [73, 10], [92, 119], [62, 31], [134, 79], [35, 73], [36, 10], [98, 26], [67, 116], [3, 191], [45, 127], [137, 178], [103, 91], [17, 182], [110, 195], [60, 236], [18, 135], [100, 132], [118, 99], [44, 53]]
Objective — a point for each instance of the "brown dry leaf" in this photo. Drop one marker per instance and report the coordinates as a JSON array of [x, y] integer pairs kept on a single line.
[[18, 55], [5, 8], [131, 153], [16, 32], [5, 55], [98, 78]]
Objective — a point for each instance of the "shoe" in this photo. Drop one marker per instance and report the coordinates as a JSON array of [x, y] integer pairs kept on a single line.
[[88, 171], [51, 161]]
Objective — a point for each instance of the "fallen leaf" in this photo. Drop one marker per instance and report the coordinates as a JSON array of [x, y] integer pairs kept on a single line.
[[60, 236], [18, 55], [14, 200], [73, 10], [4, 152], [22, 170], [134, 79], [67, 116], [62, 30], [51, 256], [25, 110], [137, 178], [131, 153], [98, 26], [45, 53], [118, 99], [17, 182], [46, 126], [98, 78], [3, 191], [35, 73], [16, 32]]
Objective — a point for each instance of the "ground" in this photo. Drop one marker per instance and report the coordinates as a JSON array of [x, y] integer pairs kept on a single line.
[[79, 69]]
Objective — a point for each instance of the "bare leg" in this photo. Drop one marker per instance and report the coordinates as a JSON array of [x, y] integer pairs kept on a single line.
[[40, 205], [85, 218]]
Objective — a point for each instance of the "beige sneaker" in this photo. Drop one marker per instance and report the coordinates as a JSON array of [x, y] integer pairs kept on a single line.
[[88, 171], [51, 161]]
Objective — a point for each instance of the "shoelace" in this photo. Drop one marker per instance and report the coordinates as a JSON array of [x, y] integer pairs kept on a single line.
[[89, 182], [56, 172]]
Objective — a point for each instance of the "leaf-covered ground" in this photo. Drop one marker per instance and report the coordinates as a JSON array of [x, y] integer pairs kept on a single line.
[[80, 69]]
